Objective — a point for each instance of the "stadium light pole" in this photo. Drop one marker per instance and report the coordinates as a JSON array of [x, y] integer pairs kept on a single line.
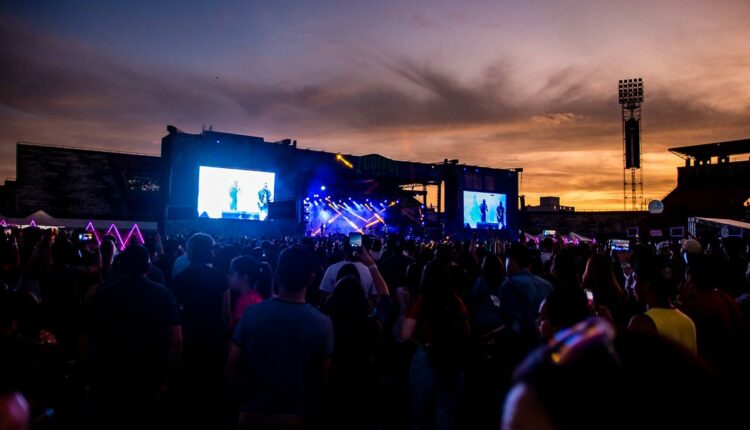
[[630, 97]]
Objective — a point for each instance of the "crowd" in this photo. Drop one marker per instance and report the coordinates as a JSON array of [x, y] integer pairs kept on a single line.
[[310, 333]]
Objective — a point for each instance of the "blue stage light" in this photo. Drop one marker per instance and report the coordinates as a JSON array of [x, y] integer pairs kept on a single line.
[[322, 188]]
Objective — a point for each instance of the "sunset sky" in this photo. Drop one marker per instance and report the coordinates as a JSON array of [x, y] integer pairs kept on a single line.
[[513, 83]]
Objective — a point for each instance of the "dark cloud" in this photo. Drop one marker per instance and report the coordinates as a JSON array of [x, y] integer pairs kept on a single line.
[[62, 91]]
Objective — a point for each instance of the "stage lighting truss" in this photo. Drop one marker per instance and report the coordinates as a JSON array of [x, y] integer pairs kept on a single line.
[[631, 91], [346, 210]]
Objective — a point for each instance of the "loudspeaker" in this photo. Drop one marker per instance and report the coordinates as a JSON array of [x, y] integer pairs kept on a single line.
[[632, 144]]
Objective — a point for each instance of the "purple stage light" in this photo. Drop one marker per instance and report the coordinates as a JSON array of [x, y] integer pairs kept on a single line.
[[90, 229], [117, 235]]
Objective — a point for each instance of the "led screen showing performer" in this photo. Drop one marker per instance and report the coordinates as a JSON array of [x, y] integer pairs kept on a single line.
[[484, 210], [234, 193]]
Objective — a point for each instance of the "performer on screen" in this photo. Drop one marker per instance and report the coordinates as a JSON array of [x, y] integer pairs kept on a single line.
[[264, 197], [234, 191], [483, 210], [501, 215]]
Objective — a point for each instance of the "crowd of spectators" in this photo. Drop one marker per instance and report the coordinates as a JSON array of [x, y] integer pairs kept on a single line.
[[307, 333]]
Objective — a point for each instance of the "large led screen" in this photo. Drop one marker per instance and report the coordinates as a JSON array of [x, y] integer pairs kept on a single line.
[[234, 193], [485, 210]]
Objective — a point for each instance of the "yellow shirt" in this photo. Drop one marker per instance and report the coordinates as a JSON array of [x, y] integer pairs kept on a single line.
[[675, 325]]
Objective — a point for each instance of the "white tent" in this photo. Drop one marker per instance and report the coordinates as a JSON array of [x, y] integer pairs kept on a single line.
[[41, 218], [577, 237]]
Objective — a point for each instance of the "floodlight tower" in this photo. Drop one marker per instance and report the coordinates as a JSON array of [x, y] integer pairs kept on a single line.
[[630, 98]]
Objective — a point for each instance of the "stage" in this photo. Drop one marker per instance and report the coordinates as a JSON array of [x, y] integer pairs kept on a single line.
[[234, 185]]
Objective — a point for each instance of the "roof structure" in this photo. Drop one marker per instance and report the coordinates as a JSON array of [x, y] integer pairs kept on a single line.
[[708, 150]]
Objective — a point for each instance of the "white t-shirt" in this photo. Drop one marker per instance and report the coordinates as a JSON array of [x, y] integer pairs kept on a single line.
[[329, 279]]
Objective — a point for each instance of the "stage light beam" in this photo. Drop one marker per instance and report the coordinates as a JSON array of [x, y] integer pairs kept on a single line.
[[344, 161]]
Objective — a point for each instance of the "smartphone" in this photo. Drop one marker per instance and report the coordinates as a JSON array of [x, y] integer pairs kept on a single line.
[[355, 241], [589, 297], [85, 237], [619, 245]]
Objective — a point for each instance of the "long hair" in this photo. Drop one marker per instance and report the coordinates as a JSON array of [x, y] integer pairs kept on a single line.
[[600, 279], [565, 268], [349, 310], [441, 307], [493, 270]]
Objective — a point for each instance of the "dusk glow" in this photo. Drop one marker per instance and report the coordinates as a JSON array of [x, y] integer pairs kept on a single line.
[[528, 84]]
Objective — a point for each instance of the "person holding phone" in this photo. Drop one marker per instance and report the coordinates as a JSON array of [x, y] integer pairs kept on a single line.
[[353, 249]]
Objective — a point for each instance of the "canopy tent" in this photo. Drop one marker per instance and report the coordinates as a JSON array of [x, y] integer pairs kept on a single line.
[[575, 237], [41, 218]]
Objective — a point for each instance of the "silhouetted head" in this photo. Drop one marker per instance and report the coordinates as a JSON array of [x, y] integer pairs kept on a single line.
[[295, 269], [135, 260], [561, 309], [348, 270], [200, 249], [243, 272], [517, 259], [651, 286]]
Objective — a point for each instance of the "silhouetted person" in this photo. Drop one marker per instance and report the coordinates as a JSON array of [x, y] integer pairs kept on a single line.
[[521, 295], [654, 291], [281, 351], [438, 322], [717, 316], [203, 295], [584, 376], [500, 212], [132, 341], [234, 192]]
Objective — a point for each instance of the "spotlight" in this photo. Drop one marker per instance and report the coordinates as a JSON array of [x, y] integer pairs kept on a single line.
[[350, 198], [322, 188], [316, 195]]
